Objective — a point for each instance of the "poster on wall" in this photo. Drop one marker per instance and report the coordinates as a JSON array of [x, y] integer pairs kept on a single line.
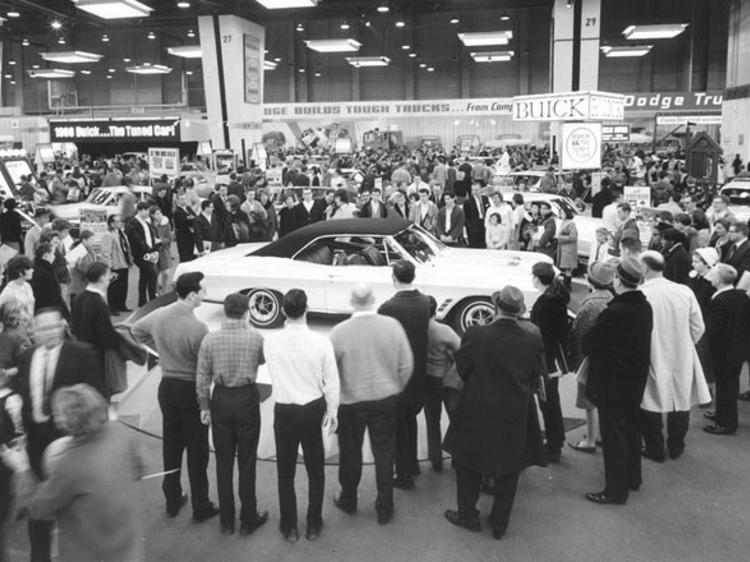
[[581, 146], [163, 162], [252, 68]]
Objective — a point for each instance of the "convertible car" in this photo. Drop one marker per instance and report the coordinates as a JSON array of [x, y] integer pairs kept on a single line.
[[327, 259]]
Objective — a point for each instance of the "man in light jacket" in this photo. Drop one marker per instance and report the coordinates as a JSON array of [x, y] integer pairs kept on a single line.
[[676, 381]]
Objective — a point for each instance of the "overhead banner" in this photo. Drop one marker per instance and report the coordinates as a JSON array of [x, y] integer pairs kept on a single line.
[[360, 110], [115, 130], [581, 146], [572, 106], [675, 101]]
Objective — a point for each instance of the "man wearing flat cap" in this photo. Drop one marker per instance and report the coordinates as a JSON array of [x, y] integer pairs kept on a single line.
[[618, 346], [495, 430]]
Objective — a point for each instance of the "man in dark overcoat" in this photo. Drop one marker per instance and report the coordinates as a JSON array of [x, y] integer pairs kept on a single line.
[[495, 430]]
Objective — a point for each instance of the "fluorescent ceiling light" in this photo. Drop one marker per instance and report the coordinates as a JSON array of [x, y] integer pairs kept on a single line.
[[659, 31], [637, 51], [486, 38], [282, 4], [51, 73], [71, 57], [333, 45], [359, 62], [115, 9], [269, 65], [186, 51], [149, 69], [493, 56]]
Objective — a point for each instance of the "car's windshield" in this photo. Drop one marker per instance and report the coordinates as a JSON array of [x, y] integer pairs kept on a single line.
[[419, 243], [737, 195], [565, 204], [99, 196]]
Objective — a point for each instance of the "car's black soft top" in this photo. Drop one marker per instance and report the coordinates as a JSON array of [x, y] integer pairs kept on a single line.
[[290, 244]]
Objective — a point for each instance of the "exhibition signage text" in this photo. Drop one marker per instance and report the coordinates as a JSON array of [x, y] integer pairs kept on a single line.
[[573, 106], [115, 130]]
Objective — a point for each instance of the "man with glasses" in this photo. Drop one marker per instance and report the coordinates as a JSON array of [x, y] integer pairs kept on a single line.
[[739, 254], [177, 335]]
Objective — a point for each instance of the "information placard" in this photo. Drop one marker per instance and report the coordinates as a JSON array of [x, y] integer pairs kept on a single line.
[[163, 162], [581, 146]]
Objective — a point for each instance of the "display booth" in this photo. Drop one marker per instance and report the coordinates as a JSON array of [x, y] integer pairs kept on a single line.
[[14, 165], [702, 157]]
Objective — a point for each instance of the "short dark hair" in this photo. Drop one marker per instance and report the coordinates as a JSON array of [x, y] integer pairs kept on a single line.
[[205, 204], [41, 212], [142, 206], [404, 271], [433, 305], [18, 266], [740, 227], [683, 218], [42, 249], [96, 271], [188, 283], [111, 219], [544, 271], [48, 235], [631, 244], [625, 207], [10, 204], [236, 305], [60, 224], [294, 303]]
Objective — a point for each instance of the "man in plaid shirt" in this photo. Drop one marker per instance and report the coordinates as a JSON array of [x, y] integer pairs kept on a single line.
[[230, 358]]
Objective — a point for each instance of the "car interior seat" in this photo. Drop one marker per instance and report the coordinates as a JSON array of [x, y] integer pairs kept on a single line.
[[319, 253]]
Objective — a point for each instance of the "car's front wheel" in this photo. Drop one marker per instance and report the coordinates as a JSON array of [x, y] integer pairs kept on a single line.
[[265, 308], [473, 312]]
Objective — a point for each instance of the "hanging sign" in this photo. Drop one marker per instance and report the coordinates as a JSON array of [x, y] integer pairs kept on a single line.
[[581, 146]]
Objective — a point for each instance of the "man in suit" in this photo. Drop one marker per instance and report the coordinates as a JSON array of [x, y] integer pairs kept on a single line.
[[207, 227], [424, 212], [184, 228], [235, 187], [450, 222], [627, 223], [619, 350], [397, 209], [115, 252], [677, 262], [495, 428], [412, 309], [727, 328], [44, 283], [321, 204], [475, 209], [374, 208], [143, 241], [739, 253], [303, 211], [91, 320], [220, 214], [50, 364]]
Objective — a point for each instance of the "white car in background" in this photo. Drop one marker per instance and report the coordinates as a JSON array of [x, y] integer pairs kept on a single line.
[[100, 198], [528, 180], [327, 259], [738, 192]]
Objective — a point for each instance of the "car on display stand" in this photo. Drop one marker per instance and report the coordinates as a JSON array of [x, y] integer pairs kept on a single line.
[[100, 199], [738, 192], [527, 180], [327, 259]]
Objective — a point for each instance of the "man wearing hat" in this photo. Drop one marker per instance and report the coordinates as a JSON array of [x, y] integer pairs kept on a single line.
[[495, 430], [676, 381], [618, 347], [677, 261]]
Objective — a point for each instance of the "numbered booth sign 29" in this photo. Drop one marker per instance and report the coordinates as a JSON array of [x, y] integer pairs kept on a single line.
[[581, 146]]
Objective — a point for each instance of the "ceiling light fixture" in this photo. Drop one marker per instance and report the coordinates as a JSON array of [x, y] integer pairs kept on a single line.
[[269, 65], [111, 70], [151, 35], [301, 70], [25, 43], [300, 27], [61, 41], [658, 31], [359, 62], [126, 60], [14, 14], [406, 47], [454, 21], [105, 38], [186, 51], [344, 26], [422, 65], [367, 23], [412, 55], [493, 56], [51, 73], [317, 75], [71, 57], [183, 4], [283, 4], [149, 69], [400, 23], [8, 76], [12, 82], [430, 69], [188, 73], [628, 51], [333, 45], [115, 9], [277, 59], [109, 77], [505, 17], [35, 66], [86, 72], [486, 38], [384, 9], [12, 63], [191, 34], [56, 25]]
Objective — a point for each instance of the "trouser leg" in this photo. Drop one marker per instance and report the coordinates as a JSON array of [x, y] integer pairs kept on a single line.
[[727, 392], [677, 428], [40, 540], [287, 441], [651, 429], [633, 440], [196, 441], [433, 407], [142, 284], [312, 448], [248, 433], [554, 430], [403, 450], [468, 483], [223, 412], [615, 450], [351, 432], [381, 424], [505, 493], [173, 442]]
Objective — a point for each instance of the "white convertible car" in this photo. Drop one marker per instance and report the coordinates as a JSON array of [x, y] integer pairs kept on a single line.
[[327, 259]]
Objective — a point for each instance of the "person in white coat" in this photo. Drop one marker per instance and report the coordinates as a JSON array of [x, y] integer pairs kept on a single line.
[[676, 381]]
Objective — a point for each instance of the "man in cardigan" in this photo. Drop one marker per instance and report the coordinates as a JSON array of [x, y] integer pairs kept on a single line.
[[373, 372]]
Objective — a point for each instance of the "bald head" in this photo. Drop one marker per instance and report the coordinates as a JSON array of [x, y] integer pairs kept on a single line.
[[362, 297]]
